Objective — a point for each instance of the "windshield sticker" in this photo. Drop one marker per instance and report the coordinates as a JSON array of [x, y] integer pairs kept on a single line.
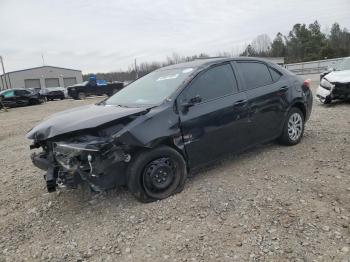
[[187, 70], [162, 78]]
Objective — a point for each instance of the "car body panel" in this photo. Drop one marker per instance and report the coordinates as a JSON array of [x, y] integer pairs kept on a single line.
[[93, 88], [267, 104], [205, 125], [79, 118], [204, 132], [338, 76], [323, 92], [20, 97], [339, 88]]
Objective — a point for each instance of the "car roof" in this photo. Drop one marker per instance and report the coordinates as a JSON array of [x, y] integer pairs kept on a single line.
[[205, 62], [13, 89]]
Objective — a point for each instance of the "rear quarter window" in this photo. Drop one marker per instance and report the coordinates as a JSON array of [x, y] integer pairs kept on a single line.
[[254, 74], [275, 74]]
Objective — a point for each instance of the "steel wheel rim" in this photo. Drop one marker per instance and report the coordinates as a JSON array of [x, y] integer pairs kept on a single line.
[[295, 126], [159, 176]]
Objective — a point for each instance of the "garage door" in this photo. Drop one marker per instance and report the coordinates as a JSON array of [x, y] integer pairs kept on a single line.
[[69, 81], [52, 82], [32, 83]]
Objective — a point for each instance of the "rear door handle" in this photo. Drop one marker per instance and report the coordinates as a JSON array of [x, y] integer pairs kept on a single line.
[[240, 102]]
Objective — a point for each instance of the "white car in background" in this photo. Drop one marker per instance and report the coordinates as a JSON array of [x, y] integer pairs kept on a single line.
[[336, 84]]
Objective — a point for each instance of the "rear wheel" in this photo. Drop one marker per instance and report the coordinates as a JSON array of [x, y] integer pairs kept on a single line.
[[156, 174], [81, 96], [293, 129]]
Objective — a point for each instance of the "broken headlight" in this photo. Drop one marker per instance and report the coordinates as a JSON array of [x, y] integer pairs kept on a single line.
[[69, 155], [326, 84]]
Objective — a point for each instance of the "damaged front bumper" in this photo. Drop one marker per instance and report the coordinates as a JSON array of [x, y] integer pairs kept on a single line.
[[323, 92], [101, 165], [336, 91]]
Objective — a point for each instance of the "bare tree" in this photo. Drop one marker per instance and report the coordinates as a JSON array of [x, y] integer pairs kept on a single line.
[[261, 44]]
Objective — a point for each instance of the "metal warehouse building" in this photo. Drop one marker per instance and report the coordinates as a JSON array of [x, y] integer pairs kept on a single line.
[[41, 77]]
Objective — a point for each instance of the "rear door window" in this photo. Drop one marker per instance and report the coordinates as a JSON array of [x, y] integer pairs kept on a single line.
[[214, 83], [254, 74], [22, 92]]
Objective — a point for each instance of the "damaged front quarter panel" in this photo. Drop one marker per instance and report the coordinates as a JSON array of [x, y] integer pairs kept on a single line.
[[100, 155]]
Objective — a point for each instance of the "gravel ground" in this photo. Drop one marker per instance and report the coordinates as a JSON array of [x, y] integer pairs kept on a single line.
[[272, 203]]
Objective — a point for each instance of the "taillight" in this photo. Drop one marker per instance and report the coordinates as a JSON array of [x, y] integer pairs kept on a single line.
[[307, 83]]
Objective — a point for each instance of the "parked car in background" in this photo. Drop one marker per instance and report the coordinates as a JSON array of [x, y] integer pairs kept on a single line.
[[336, 83], [20, 97], [175, 119], [93, 87], [52, 93]]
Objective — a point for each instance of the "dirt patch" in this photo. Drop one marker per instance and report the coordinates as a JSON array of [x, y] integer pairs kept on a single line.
[[272, 203]]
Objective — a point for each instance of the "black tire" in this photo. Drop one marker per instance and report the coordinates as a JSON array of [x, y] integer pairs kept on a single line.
[[145, 168], [326, 101], [286, 137], [81, 95], [33, 102]]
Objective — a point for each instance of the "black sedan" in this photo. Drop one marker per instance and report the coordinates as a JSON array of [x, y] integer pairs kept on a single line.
[[52, 93], [151, 133], [19, 97]]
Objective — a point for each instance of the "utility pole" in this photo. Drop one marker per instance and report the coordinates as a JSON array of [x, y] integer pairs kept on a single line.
[[42, 57], [2, 82], [136, 73], [4, 73]]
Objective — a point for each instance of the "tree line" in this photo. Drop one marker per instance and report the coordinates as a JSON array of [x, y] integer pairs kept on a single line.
[[303, 43]]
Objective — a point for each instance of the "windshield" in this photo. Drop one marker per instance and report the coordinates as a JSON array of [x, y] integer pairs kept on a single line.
[[151, 89], [343, 65]]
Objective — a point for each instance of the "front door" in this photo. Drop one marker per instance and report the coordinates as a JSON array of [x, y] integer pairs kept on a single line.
[[8, 98], [213, 115]]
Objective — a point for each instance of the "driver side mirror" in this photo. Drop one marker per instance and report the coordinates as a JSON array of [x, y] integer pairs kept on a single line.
[[194, 100]]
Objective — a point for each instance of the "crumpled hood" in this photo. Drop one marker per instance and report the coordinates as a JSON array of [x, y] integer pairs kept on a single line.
[[79, 118], [338, 76]]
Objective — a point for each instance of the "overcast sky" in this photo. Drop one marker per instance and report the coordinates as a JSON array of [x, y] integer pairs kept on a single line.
[[107, 35]]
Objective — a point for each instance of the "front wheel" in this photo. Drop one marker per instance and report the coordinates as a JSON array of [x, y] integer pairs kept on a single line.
[[81, 96], [326, 100], [293, 128], [156, 174]]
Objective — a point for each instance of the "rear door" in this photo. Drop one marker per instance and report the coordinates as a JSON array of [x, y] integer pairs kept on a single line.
[[217, 122], [267, 91]]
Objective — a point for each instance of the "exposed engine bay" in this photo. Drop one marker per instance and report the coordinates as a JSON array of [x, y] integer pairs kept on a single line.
[[85, 158]]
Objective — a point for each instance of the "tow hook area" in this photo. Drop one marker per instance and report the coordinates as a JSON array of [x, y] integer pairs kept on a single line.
[[50, 180]]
